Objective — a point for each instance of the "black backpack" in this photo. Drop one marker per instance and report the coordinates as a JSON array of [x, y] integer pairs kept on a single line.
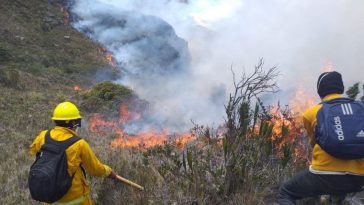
[[48, 178]]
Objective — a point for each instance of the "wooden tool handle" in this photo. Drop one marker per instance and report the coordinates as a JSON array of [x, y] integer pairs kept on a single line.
[[126, 181]]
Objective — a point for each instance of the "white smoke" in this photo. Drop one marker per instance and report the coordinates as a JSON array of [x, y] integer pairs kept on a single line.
[[298, 36]]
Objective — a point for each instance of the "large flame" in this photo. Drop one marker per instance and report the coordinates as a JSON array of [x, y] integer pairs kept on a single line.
[[287, 128], [288, 124], [143, 140]]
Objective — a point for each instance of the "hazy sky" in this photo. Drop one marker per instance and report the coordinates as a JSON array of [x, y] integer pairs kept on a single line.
[[299, 36]]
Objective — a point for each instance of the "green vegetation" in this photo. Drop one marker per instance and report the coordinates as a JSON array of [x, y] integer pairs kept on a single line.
[[105, 97], [35, 39], [354, 91]]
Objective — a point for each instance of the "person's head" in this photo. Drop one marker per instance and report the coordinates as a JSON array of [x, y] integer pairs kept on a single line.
[[330, 83], [66, 114]]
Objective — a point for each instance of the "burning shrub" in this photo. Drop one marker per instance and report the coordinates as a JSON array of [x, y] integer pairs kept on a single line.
[[241, 162]]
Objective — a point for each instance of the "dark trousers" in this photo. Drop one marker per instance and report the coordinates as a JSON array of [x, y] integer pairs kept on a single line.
[[305, 184]]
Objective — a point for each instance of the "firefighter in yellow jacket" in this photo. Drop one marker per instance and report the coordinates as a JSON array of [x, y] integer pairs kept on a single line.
[[326, 174], [67, 118]]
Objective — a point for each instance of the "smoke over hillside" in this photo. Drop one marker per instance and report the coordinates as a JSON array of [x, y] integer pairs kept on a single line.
[[177, 54]]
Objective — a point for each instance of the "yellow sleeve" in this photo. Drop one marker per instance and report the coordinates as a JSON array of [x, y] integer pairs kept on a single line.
[[309, 122], [91, 163], [37, 143], [309, 129]]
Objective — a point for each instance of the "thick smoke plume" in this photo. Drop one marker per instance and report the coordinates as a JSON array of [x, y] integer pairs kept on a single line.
[[177, 54]]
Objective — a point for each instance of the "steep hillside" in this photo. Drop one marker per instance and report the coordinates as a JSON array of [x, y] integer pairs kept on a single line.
[[35, 38], [41, 59]]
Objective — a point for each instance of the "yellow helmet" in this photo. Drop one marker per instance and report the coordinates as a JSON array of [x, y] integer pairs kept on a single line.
[[66, 111]]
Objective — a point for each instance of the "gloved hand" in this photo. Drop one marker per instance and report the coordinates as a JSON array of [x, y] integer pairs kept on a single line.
[[112, 175]]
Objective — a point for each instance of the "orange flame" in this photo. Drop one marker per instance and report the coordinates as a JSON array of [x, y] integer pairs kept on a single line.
[[287, 130], [99, 125], [150, 139], [109, 58], [77, 88], [288, 127], [124, 114], [181, 140], [143, 140]]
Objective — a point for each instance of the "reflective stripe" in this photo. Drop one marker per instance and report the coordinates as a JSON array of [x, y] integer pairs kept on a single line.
[[347, 109], [350, 109], [72, 202], [315, 171], [343, 108]]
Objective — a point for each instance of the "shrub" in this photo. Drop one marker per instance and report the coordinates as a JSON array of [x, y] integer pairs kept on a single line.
[[353, 91], [106, 97]]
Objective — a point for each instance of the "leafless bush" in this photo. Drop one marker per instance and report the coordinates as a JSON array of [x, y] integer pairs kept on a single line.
[[239, 120]]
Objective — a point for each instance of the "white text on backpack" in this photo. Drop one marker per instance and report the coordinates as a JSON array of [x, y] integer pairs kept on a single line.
[[339, 128]]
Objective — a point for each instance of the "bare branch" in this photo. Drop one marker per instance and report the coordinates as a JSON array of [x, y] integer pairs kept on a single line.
[[249, 86]]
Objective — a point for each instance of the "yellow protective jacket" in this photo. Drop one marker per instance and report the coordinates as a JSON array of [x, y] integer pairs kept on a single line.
[[80, 153], [322, 161]]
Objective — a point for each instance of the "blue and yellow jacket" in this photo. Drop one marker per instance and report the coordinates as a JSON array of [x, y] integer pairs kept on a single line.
[[322, 162], [80, 153]]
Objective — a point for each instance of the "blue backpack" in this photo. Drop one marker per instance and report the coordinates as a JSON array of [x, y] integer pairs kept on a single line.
[[340, 128]]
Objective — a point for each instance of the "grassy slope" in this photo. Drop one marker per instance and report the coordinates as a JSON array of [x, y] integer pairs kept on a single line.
[[38, 69], [34, 34]]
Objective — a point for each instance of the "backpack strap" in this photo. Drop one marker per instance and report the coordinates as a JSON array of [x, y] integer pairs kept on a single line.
[[63, 144]]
